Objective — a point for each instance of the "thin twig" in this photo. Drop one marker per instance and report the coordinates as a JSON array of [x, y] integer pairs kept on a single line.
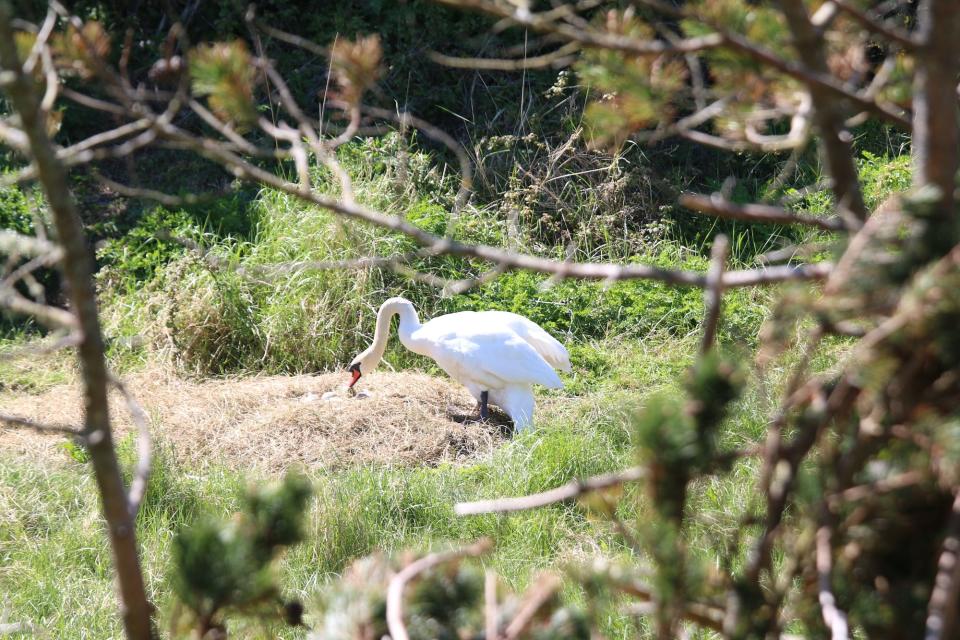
[[46, 314], [717, 205], [562, 57], [141, 474], [395, 623], [713, 292], [833, 617], [568, 491]]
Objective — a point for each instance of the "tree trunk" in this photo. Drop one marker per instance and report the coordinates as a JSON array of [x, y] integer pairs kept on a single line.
[[935, 138]]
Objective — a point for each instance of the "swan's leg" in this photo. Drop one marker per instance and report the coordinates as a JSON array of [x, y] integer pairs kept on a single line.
[[484, 409], [518, 402]]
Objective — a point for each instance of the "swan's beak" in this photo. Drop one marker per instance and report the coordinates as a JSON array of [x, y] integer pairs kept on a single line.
[[356, 376]]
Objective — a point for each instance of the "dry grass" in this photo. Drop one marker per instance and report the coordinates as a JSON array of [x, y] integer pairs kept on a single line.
[[272, 422]]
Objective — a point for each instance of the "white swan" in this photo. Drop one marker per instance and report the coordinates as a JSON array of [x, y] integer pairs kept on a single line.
[[498, 356]]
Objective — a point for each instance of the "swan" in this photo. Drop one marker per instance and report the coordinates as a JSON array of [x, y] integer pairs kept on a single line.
[[497, 355]]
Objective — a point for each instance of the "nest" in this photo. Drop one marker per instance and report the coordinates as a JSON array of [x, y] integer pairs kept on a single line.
[[274, 422]]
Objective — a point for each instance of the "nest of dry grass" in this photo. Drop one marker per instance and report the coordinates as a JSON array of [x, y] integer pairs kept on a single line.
[[274, 422]]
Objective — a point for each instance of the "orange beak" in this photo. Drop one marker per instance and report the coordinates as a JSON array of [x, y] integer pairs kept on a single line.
[[356, 376]]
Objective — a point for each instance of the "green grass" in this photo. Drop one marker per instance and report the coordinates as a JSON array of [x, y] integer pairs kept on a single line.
[[56, 564]]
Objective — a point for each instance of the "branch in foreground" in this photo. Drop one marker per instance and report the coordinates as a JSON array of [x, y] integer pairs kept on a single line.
[[833, 617], [717, 205], [398, 629], [942, 610], [571, 490], [537, 596]]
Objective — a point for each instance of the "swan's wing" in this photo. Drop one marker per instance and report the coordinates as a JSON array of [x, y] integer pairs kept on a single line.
[[492, 356], [549, 348]]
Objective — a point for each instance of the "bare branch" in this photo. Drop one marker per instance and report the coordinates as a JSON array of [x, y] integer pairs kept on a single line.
[[40, 427], [534, 599], [936, 133], [93, 103], [166, 199], [713, 292], [942, 610], [715, 204], [398, 629], [562, 493], [833, 617], [438, 135], [13, 243], [27, 268], [490, 605], [141, 475], [560, 58], [884, 485], [47, 315]]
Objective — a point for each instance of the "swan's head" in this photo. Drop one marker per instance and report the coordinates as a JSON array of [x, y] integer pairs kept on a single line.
[[363, 363]]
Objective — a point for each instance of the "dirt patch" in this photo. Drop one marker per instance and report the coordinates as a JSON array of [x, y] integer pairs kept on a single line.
[[273, 422]]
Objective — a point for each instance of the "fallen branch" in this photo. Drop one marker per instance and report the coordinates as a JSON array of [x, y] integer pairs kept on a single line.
[[398, 629], [568, 491]]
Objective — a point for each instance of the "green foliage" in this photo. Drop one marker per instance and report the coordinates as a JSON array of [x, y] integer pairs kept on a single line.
[[224, 73], [228, 565]]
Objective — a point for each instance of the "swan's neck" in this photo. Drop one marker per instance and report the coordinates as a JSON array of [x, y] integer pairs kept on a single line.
[[409, 322]]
